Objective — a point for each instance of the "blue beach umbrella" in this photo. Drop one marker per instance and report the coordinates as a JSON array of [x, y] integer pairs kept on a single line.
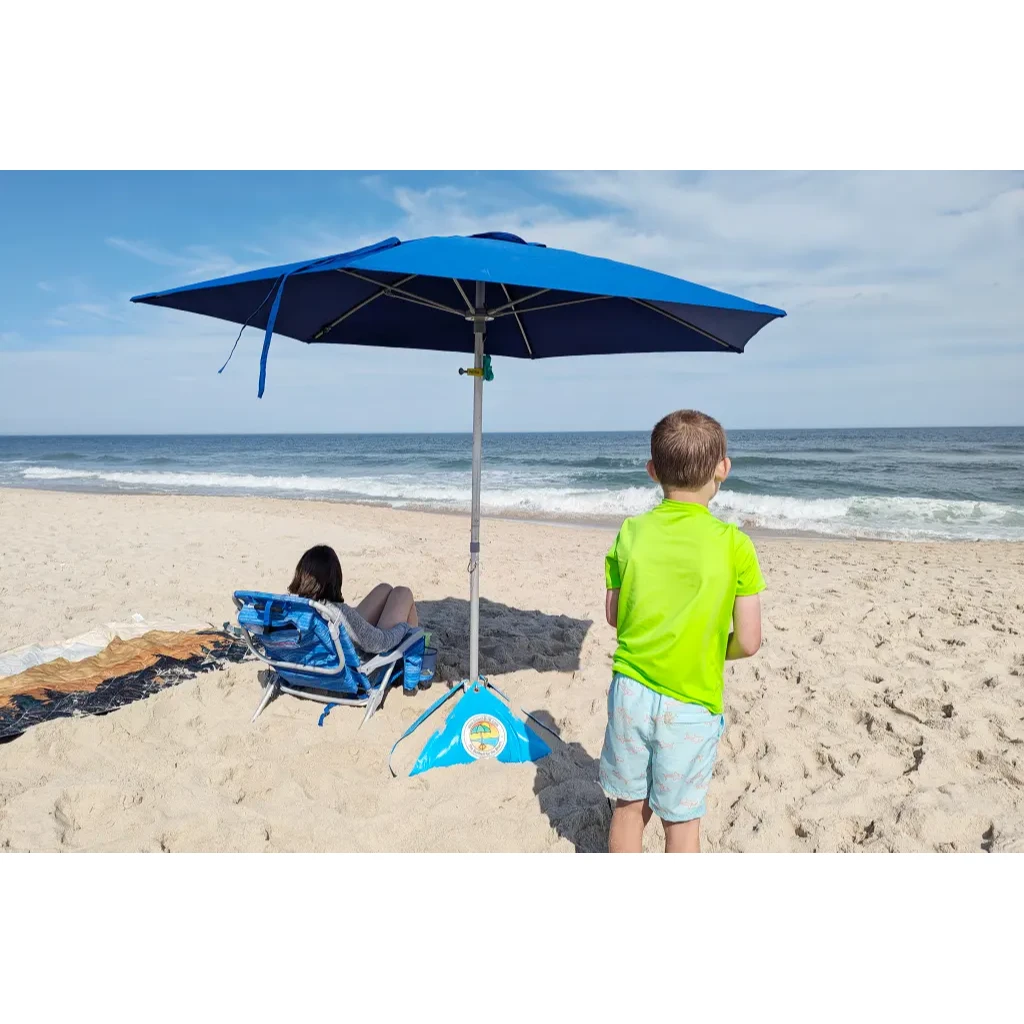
[[486, 295]]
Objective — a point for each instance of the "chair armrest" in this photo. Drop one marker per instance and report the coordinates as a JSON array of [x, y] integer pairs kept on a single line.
[[391, 656]]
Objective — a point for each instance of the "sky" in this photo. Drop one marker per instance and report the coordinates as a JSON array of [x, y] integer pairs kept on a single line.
[[904, 293]]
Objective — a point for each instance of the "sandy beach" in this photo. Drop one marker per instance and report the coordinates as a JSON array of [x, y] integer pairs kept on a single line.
[[884, 712]]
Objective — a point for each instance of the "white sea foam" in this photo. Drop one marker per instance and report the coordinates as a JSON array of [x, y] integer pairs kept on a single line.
[[541, 502], [855, 516], [54, 473], [193, 480], [529, 494], [502, 490]]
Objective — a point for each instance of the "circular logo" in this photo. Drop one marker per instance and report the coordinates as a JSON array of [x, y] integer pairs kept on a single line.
[[483, 736]]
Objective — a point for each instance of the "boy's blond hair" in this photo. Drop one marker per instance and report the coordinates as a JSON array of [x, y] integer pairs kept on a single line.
[[686, 447]]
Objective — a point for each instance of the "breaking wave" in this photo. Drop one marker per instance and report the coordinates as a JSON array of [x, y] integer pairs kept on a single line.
[[523, 493]]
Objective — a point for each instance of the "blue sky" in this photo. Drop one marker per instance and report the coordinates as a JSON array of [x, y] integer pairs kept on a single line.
[[905, 294]]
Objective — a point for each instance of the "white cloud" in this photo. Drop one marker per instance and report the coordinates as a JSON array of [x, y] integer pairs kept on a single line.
[[194, 261]]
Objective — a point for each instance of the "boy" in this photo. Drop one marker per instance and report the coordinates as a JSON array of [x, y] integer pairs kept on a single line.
[[677, 577]]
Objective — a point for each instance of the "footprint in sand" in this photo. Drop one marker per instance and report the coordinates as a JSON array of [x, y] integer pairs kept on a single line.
[[64, 816], [918, 755], [988, 838]]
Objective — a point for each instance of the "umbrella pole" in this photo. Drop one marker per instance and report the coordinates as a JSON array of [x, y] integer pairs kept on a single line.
[[479, 332], [481, 724]]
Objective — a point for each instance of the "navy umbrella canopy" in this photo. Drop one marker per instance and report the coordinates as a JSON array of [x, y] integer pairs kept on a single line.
[[492, 291]]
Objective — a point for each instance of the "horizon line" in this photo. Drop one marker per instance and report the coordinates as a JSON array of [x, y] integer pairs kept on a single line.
[[467, 433]]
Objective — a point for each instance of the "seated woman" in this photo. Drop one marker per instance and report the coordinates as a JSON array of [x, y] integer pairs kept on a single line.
[[378, 623]]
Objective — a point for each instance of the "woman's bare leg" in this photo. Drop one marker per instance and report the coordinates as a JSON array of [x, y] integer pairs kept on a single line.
[[373, 604], [399, 607]]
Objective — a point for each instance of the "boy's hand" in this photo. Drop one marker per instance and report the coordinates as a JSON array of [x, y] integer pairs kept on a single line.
[[745, 639], [611, 608]]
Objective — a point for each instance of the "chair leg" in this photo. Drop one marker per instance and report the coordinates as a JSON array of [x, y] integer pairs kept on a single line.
[[268, 694], [376, 697]]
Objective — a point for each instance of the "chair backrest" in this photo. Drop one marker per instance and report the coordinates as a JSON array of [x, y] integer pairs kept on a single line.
[[296, 631]]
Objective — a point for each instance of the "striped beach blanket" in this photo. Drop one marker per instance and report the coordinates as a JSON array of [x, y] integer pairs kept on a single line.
[[126, 670]]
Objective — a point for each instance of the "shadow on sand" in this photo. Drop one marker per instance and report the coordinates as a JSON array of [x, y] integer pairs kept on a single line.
[[569, 793], [511, 639]]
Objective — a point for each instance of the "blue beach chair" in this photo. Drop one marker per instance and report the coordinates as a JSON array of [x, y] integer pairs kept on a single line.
[[308, 647]]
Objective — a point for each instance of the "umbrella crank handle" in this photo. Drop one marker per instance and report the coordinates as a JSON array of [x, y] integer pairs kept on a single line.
[[484, 371]]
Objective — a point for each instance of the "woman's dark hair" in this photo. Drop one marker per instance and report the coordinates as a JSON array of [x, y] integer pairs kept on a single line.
[[318, 575]]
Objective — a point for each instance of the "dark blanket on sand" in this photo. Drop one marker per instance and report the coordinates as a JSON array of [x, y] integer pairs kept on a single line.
[[123, 672]]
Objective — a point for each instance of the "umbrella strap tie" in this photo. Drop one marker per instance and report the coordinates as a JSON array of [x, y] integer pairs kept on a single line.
[[271, 320], [243, 327]]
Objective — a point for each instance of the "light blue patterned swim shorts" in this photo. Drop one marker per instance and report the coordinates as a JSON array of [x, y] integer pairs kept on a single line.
[[659, 749]]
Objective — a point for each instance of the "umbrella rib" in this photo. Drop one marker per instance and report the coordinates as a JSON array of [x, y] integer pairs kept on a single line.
[[522, 329], [526, 298], [553, 305], [394, 291], [427, 303], [465, 297], [685, 323], [327, 328]]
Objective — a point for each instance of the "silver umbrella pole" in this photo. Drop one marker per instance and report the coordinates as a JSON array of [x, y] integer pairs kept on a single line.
[[511, 740], [479, 332]]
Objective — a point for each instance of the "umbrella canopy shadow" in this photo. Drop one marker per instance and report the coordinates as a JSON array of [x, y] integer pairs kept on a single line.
[[569, 794], [511, 639]]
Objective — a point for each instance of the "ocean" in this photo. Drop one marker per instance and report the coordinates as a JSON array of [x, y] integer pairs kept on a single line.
[[942, 483]]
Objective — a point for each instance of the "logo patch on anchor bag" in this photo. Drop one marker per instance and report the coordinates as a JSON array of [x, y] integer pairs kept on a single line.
[[483, 736]]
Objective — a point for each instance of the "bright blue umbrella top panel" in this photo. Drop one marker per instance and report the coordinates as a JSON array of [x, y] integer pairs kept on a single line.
[[414, 295]]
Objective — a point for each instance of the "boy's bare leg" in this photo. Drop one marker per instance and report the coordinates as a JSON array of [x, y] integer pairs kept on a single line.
[[682, 836], [629, 818]]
